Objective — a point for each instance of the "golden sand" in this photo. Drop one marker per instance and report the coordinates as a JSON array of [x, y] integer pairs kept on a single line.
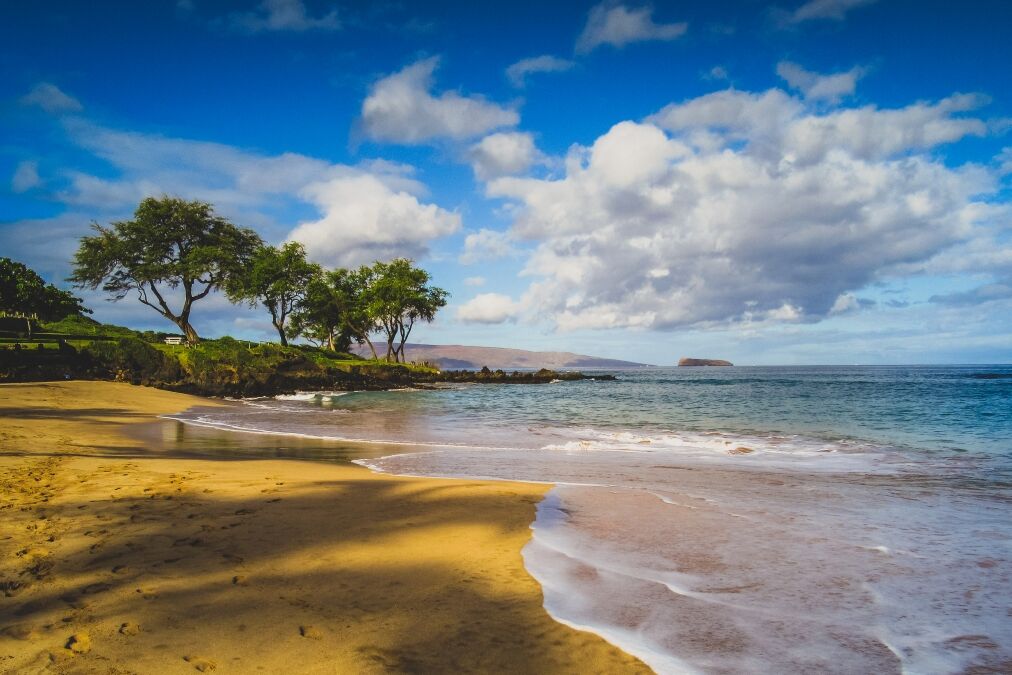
[[114, 560]]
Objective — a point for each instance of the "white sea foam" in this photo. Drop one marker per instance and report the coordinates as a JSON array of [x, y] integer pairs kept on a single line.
[[310, 396]]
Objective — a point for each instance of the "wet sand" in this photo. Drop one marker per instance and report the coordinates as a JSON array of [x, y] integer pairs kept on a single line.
[[117, 559]]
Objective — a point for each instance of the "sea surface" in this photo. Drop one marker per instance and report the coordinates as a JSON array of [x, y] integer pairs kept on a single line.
[[731, 520]]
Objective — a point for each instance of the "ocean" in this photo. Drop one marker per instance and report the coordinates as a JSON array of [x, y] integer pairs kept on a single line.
[[728, 520]]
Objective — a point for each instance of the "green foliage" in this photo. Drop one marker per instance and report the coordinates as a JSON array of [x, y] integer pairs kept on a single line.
[[398, 297], [170, 243], [86, 326], [334, 310], [25, 292], [134, 359], [277, 278]]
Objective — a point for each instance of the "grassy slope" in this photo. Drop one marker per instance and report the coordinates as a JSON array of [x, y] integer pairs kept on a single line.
[[224, 366]]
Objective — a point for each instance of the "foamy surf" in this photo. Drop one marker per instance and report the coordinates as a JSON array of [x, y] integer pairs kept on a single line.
[[740, 547]]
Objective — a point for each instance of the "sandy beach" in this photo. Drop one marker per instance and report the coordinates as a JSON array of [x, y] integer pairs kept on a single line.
[[114, 559]]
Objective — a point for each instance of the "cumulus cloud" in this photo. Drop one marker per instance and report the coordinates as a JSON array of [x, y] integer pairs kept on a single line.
[[284, 15], [486, 245], [503, 154], [618, 25], [374, 210], [50, 98], [489, 308], [401, 108], [814, 86], [474, 281], [365, 220], [835, 10], [26, 176], [517, 73], [787, 131], [741, 205]]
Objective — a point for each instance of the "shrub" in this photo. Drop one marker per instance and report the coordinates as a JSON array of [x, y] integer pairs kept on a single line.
[[133, 359]]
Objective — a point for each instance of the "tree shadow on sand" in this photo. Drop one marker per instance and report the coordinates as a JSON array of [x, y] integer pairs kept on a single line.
[[352, 572]]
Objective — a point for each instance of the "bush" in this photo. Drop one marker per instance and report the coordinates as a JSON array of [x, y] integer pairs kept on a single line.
[[133, 359]]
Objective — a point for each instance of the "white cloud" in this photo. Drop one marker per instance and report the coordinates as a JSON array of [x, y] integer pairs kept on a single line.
[[50, 98], [738, 206], [618, 25], [503, 154], [517, 73], [845, 302], [26, 176], [489, 308], [369, 211], [474, 281], [486, 245], [835, 10], [1005, 161], [365, 220], [401, 108], [284, 15], [814, 86], [782, 125]]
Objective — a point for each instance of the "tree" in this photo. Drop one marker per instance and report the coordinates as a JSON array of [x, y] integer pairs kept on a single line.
[[334, 311], [398, 297], [24, 292], [277, 278], [170, 243]]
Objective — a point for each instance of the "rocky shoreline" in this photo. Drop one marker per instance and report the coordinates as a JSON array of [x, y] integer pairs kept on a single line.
[[284, 377]]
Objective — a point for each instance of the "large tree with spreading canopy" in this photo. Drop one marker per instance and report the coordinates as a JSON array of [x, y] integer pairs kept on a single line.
[[170, 244]]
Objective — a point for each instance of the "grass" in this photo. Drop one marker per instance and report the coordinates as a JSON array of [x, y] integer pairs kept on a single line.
[[222, 366]]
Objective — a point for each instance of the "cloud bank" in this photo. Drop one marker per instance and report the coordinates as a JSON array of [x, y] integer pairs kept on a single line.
[[739, 206]]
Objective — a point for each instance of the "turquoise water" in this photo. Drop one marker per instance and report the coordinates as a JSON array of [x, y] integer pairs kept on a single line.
[[727, 520]]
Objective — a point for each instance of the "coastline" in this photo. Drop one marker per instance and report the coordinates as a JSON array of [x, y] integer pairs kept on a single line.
[[165, 563]]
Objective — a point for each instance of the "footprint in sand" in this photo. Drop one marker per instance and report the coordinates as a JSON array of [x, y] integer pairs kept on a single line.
[[200, 663], [311, 632], [79, 643], [129, 628]]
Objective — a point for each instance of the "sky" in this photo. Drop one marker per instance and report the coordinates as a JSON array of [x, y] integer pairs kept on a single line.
[[805, 182]]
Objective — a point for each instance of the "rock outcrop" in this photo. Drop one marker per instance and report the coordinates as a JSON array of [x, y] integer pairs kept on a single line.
[[704, 362]]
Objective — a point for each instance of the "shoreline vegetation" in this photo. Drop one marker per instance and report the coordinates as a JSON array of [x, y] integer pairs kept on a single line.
[[174, 253], [80, 348], [120, 556]]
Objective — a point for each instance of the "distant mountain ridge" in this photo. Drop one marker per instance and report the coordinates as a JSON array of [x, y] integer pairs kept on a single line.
[[468, 357]]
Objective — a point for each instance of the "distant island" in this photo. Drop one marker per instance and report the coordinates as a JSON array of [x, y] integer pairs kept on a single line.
[[704, 362], [473, 358]]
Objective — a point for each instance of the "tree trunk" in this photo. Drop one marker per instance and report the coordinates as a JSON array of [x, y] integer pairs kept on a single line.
[[281, 334], [372, 347], [191, 335]]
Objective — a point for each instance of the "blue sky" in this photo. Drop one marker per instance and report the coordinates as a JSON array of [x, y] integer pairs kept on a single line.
[[823, 181]]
